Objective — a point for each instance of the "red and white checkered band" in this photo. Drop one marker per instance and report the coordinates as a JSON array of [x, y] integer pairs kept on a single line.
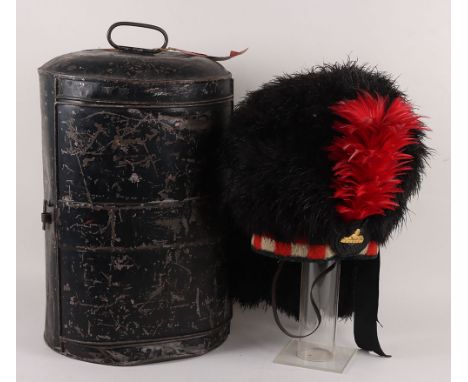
[[301, 250]]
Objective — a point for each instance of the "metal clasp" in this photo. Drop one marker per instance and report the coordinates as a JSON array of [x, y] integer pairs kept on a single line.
[[46, 217]]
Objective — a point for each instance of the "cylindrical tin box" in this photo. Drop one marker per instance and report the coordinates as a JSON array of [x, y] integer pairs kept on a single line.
[[135, 268]]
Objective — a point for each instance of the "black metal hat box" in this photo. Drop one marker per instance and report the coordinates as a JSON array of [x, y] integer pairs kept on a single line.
[[135, 268]]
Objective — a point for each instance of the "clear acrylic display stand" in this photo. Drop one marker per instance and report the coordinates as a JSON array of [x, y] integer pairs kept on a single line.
[[317, 351]]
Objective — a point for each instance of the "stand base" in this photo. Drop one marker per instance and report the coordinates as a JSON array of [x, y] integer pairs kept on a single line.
[[337, 363]]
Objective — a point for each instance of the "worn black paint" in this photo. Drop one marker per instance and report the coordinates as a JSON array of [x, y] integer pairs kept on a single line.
[[135, 267]]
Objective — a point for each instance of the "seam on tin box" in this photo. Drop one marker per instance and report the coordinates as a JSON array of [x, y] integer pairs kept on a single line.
[[148, 342], [131, 80], [169, 105]]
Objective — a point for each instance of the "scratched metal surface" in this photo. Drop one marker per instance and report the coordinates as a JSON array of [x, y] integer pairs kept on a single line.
[[134, 260]]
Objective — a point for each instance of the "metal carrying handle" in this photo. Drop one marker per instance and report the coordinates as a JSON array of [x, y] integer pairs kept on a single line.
[[132, 48]]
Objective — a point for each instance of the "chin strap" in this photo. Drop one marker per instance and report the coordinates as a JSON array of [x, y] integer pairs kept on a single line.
[[274, 305], [366, 305]]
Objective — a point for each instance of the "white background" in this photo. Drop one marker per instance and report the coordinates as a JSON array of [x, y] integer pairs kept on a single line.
[[410, 39]]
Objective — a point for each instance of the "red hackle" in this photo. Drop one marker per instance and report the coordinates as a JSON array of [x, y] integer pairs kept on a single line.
[[367, 153]]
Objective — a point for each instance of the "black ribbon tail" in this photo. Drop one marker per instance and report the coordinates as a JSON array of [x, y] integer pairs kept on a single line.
[[366, 305]]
